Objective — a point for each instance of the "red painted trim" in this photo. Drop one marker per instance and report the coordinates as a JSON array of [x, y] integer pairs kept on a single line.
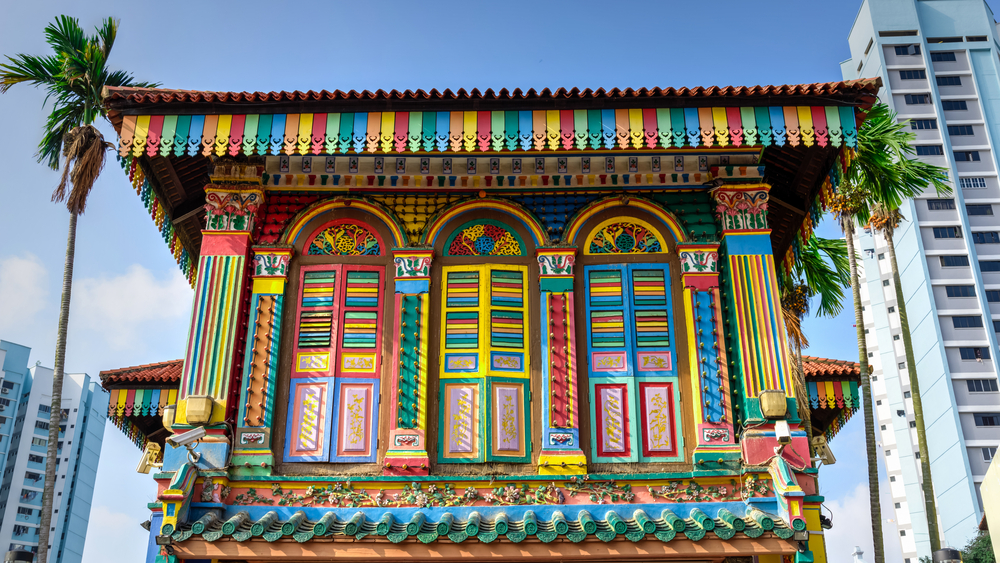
[[645, 423], [599, 421], [367, 226], [224, 243]]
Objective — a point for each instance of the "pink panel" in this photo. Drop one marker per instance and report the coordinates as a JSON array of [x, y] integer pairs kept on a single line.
[[612, 420], [507, 410], [355, 414]]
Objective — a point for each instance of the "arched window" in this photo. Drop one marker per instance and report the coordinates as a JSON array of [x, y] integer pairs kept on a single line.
[[484, 347], [627, 290], [335, 323]]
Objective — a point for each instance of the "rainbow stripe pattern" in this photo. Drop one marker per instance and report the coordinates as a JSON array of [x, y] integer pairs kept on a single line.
[[463, 289], [482, 131], [506, 288], [649, 288], [506, 329], [605, 288], [360, 329], [462, 330], [362, 289], [652, 329], [607, 329], [315, 327]]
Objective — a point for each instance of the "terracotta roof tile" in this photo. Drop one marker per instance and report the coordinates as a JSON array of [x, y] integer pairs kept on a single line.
[[161, 95], [162, 372], [822, 367]]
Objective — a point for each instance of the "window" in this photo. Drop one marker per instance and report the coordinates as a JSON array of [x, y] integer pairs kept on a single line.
[[895, 337], [906, 394], [954, 105], [901, 365], [967, 321], [897, 505], [878, 402], [949, 80], [869, 47], [960, 290], [993, 295], [41, 425], [944, 39], [913, 424], [39, 442], [988, 453], [916, 99], [989, 266], [947, 232], [966, 156], [36, 458], [996, 326], [28, 512], [906, 33], [647, 317], [891, 309], [885, 283], [972, 182], [942, 56], [979, 209], [982, 385], [908, 50], [987, 419], [892, 478], [44, 409], [871, 354], [978, 353], [881, 256], [923, 124], [888, 453], [975, 38], [939, 204], [912, 74], [31, 476], [929, 150], [986, 237], [960, 130]]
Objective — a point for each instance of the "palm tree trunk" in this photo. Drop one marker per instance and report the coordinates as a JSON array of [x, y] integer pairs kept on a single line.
[[873, 490], [930, 507], [55, 415], [802, 393]]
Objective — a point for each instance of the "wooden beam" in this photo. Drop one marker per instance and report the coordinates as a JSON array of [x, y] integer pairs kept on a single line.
[[680, 549]]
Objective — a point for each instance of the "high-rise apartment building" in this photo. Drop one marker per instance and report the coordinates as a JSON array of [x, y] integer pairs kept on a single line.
[[939, 61], [25, 405]]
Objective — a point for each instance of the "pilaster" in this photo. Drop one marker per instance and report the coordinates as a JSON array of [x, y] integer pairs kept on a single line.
[[255, 419], [760, 352], [710, 384], [209, 373], [561, 453], [407, 449]]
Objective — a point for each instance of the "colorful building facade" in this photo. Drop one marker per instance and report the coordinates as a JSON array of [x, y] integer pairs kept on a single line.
[[474, 324]]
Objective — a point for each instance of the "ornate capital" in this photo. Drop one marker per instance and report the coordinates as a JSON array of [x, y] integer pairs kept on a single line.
[[699, 258], [231, 208], [556, 262], [413, 264], [271, 261], [742, 207]]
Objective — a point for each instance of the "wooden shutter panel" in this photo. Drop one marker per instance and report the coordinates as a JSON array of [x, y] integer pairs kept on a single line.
[[462, 370], [507, 417]]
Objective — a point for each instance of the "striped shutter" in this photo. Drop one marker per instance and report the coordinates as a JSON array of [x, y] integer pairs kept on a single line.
[[334, 393], [484, 359]]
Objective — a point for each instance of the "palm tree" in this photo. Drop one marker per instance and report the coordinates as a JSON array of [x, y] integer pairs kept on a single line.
[[892, 179], [821, 270], [73, 76]]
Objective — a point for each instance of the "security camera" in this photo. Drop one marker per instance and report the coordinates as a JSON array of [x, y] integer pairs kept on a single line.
[[149, 456], [783, 432], [188, 438]]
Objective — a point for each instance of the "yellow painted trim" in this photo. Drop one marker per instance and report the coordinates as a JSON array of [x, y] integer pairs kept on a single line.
[[695, 378], [575, 465], [573, 230], [269, 285]]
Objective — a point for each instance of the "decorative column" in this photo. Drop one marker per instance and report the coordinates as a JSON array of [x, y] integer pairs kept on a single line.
[[759, 347], [407, 451], [706, 354], [255, 417], [561, 453], [210, 363]]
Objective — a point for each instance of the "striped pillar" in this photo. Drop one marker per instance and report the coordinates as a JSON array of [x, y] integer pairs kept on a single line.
[[713, 411], [561, 453], [210, 362], [407, 450], [260, 360], [759, 348]]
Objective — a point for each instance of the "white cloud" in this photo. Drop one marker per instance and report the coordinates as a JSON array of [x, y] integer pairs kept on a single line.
[[23, 282], [126, 310]]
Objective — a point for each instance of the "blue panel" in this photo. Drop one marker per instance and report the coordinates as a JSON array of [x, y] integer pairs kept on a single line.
[[372, 416], [778, 125], [525, 131], [277, 133], [608, 128], [693, 126], [360, 131], [748, 244], [324, 425]]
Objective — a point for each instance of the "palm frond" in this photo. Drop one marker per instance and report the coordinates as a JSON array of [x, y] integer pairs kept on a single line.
[[823, 266], [106, 35]]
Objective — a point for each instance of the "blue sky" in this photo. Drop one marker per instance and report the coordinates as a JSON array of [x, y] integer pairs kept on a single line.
[[130, 304]]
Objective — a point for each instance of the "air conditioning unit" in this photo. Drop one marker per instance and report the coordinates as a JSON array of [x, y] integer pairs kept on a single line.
[[4, 390]]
